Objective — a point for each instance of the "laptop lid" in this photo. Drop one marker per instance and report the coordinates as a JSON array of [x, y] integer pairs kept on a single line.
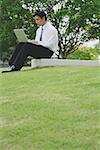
[[21, 36]]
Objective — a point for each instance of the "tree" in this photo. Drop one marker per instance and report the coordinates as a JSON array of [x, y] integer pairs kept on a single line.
[[79, 20], [76, 21], [13, 15]]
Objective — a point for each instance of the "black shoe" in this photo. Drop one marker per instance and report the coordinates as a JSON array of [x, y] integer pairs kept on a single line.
[[10, 69], [6, 71]]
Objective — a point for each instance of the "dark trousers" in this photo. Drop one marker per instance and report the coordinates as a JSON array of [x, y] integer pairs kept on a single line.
[[23, 50]]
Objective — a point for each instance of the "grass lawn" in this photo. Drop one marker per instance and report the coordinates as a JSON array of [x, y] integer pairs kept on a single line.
[[55, 108]]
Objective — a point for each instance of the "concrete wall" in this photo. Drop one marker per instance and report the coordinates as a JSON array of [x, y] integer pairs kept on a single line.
[[63, 62]]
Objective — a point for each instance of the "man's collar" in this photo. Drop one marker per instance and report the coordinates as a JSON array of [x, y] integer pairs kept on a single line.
[[45, 25]]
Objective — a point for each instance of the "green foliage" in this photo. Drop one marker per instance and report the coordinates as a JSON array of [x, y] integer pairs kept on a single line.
[[13, 15], [76, 21], [86, 54]]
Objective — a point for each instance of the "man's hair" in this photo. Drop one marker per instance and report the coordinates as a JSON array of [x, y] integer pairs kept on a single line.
[[41, 14]]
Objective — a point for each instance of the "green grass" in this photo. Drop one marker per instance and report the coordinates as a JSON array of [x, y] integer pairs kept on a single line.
[[55, 108]]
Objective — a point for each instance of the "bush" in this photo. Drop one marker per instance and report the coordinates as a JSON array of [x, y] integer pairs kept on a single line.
[[86, 54]]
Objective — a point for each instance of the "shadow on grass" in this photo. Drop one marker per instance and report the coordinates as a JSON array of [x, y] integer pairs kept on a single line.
[[24, 69]]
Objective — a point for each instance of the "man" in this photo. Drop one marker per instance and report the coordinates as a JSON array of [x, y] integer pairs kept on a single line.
[[46, 39]]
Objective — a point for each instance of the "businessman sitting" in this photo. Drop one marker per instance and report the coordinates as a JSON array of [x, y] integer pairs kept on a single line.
[[47, 39]]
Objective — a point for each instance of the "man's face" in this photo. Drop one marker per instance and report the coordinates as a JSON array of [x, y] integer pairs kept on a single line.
[[39, 21]]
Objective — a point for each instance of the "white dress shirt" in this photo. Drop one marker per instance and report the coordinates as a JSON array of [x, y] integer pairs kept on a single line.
[[49, 37]]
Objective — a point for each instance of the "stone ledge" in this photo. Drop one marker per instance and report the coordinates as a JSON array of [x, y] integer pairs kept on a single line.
[[63, 62]]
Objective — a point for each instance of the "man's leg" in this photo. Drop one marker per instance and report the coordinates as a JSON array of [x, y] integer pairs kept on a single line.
[[14, 55], [33, 50], [28, 49]]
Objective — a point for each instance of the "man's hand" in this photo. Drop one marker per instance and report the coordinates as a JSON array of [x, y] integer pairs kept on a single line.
[[32, 41], [29, 40]]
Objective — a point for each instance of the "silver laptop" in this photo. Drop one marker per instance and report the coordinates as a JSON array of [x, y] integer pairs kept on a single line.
[[21, 36]]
